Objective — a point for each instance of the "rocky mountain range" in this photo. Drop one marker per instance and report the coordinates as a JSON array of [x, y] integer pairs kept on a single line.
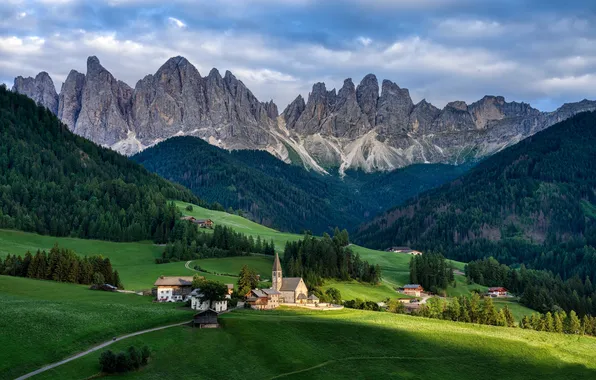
[[357, 127]]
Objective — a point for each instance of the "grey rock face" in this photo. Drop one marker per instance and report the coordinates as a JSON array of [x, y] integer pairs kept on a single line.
[[294, 110], [70, 99], [41, 89], [354, 128], [367, 94], [394, 108], [105, 106]]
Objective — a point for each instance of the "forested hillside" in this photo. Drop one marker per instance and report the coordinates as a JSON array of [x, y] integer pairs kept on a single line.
[[533, 203], [54, 182], [284, 196]]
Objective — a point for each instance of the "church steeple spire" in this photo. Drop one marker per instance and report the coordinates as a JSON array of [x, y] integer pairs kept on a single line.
[[276, 275]]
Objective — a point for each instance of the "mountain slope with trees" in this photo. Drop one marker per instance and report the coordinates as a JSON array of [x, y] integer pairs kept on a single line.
[[284, 196], [56, 183], [533, 203]]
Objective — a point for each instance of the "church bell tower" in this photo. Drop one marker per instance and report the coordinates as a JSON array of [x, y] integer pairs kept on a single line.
[[276, 276]]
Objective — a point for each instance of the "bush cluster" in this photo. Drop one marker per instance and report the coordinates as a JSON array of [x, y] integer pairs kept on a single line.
[[131, 359]]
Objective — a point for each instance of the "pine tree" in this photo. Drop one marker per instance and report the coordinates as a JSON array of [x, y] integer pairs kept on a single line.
[[116, 279], [501, 320], [549, 322], [572, 324], [558, 323], [509, 316]]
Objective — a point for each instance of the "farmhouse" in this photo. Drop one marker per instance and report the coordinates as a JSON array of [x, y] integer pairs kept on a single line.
[[173, 288], [202, 223], [406, 250], [497, 292], [263, 299], [206, 319], [413, 290], [293, 289], [197, 304]]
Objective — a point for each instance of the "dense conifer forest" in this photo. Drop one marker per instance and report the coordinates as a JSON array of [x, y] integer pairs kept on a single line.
[[54, 182], [533, 203], [283, 196], [315, 259]]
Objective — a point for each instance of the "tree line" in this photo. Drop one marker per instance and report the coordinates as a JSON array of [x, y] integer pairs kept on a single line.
[[188, 243], [560, 322], [314, 259], [431, 271], [62, 265], [538, 289]]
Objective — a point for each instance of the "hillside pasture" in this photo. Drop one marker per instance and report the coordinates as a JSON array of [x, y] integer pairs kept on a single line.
[[45, 321], [351, 344]]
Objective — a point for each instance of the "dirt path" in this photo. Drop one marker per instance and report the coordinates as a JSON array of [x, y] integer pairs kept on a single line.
[[95, 348], [356, 358], [187, 266]]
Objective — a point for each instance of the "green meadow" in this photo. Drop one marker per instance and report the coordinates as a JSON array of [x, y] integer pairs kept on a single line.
[[45, 321], [350, 344]]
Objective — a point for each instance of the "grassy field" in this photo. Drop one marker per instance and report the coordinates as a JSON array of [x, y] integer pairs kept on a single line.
[[45, 321], [232, 265], [241, 224], [350, 344], [353, 289], [518, 310]]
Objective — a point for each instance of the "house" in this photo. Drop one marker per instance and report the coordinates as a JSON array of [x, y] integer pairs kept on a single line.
[[497, 292], [197, 304], [406, 250], [263, 299], [292, 289], [173, 288], [206, 319], [413, 290], [202, 223]]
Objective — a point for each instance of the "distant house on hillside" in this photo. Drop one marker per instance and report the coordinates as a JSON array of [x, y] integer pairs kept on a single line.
[[230, 290], [173, 288], [406, 250], [497, 291], [413, 290], [202, 223]]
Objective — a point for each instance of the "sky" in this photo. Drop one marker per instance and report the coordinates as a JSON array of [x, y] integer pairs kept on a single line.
[[541, 52]]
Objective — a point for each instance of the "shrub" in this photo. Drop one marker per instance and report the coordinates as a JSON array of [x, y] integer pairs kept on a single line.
[[189, 208], [130, 359]]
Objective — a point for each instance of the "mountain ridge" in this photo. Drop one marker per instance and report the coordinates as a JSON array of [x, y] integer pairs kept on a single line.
[[364, 127]]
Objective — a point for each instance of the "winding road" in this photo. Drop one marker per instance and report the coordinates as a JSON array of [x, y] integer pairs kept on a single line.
[[95, 348]]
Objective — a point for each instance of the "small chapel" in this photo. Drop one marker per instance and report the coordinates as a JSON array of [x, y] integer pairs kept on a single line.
[[292, 289]]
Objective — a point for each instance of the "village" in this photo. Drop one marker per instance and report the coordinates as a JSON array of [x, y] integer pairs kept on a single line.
[[284, 291]]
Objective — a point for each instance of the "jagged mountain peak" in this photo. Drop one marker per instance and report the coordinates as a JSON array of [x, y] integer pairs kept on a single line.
[[370, 126]]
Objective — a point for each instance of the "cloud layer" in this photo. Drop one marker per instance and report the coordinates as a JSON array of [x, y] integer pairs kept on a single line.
[[539, 52]]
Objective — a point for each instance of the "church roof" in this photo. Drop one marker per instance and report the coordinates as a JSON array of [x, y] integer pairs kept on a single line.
[[276, 263], [270, 291], [289, 284]]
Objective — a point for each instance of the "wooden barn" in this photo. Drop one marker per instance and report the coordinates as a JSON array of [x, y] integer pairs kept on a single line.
[[206, 319]]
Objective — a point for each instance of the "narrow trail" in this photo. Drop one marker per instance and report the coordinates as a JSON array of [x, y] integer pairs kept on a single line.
[[187, 266], [96, 348], [359, 358]]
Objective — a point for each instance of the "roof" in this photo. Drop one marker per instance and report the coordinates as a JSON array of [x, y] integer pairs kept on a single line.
[[258, 293], [301, 296], [174, 281], [412, 286], [206, 312], [313, 297], [497, 289], [202, 220], [289, 284], [402, 248], [270, 291], [230, 286], [276, 263]]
